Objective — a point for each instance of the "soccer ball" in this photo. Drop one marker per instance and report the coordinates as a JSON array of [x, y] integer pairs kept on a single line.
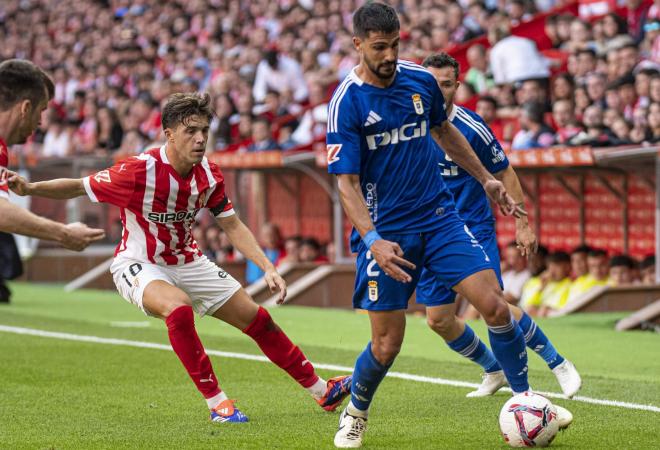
[[528, 420]]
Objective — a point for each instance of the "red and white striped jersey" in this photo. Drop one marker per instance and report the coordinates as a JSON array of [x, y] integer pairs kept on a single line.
[[158, 206], [4, 162]]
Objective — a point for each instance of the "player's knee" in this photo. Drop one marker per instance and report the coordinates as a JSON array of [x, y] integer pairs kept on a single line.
[[167, 307], [441, 324], [498, 313], [385, 350]]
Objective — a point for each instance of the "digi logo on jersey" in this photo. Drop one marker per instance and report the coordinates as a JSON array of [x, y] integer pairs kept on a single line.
[[404, 133], [178, 216]]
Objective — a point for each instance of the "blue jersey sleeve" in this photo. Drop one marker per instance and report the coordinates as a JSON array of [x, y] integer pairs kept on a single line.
[[343, 135], [484, 142]]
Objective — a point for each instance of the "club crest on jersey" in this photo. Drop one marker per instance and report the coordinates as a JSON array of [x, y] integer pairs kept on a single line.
[[333, 152], [417, 103], [373, 290]]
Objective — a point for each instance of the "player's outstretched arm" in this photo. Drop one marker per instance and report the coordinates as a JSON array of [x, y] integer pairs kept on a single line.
[[458, 148], [387, 254], [244, 241], [75, 236], [525, 237], [61, 188]]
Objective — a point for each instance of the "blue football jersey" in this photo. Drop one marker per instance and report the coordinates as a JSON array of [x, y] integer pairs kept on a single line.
[[383, 134], [471, 200]]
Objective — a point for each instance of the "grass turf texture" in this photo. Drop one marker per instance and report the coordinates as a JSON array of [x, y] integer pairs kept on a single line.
[[69, 395]]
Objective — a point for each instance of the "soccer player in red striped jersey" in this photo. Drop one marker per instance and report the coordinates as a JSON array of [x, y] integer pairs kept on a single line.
[[158, 266]]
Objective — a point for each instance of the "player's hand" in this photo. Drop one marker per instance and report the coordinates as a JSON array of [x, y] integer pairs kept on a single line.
[[276, 282], [77, 236], [389, 257], [17, 184], [497, 193], [526, 240]]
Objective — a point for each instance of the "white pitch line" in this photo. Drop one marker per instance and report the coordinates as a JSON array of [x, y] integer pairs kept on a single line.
[[245, 356]]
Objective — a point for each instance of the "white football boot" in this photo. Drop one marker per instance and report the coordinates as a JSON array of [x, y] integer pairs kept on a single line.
[[351, 430], [492, 382], [564, 417], [568, 378]]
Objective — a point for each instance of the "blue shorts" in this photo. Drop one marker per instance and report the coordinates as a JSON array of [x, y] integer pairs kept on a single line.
[[450, 253], [432, 292]]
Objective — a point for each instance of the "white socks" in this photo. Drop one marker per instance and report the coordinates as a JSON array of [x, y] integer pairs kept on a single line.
[[353, 411], [216, 400], [317, 390]]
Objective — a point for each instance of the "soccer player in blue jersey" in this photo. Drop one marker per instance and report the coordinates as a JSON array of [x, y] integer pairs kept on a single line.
[[474, 207], [382, 123]]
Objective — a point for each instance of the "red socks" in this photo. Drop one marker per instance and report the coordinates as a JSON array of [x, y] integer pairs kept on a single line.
[[189, 349], [280, 350]]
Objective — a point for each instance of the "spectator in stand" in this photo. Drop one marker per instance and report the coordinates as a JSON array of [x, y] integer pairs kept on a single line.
[[636, 11], [516, 276], [595, 132], [487, 109], [534, 132], [537, 266], [582, 101], [310, 251], [626, 92], [654, 89], [643, 86], [585, 63], [650, 47], [555, 286], [243, 137], [621, 129], [621, 268], [579, 267], [271, 243], [580, 37], [262, 138], [562, 87], [563, 114], [477, 75], [596, 84], [110, 132], [647, 268], [628, 57], [285, 138], [279, 72], [596, 276], [533, 91], [292, 246], [313, 123], [654, 122], [58, 138], [222, 126], [514, 58], [640, 131]]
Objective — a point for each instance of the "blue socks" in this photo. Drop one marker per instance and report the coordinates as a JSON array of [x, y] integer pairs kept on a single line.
[[469, 345], [508, 345], [537, 341], [367, 375]]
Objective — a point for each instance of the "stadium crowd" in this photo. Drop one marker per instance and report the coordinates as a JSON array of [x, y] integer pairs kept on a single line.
[[271, 66]]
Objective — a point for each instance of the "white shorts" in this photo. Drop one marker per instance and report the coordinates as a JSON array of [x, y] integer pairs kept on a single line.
[[207, 285]]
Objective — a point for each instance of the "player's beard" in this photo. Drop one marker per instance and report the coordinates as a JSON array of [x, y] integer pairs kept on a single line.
[[382, 70]]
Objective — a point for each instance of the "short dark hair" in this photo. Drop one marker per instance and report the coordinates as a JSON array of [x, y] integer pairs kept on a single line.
[[597, 253], [311, 242], [181, 107], [622, 260], [442, 60], [581, 249], [375, 17], [488, 99], [559, 257], [647, 262], [23, 80], [534, 110], [586, 51]]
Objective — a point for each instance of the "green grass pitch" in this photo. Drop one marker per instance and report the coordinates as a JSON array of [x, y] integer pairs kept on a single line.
[[62, 394]]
